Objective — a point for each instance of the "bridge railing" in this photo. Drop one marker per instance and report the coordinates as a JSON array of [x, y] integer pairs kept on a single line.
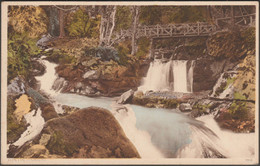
[[191, 29], [170, 30]]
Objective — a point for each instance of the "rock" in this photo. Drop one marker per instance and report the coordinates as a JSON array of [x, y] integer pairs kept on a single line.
[[48, 111], [59, 83], [35, 151], [90, 132], [16, 86], [92, 74], [185, 107], [79, 85], [38, 68], [69, 109], [126, 97], [44, 139], [90, 62], [43, 42], [87, 90]]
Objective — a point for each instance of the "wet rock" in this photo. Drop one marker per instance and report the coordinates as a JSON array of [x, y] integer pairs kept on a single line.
[[38, 68], [126, 97], [185, 107], [43, 42], [90, 132], [59, 83], [92, 74], [87, 90]]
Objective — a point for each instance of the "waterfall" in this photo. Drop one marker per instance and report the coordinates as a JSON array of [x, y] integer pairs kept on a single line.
[[170, 76], [180, 76]]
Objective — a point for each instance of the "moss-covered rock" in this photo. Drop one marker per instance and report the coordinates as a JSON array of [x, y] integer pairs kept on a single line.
[[88, 133], [239, 116], [155, 101]]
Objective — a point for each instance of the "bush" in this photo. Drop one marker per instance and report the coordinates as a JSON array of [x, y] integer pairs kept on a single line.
[[30, 19], [107, 54], [143, 47], [21, 49], [238, 110]]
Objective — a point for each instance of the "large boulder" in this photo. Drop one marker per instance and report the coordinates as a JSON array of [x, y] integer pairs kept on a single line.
[[87, 133]]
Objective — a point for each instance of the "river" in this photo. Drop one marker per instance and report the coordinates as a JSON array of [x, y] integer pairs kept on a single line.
[[160, 133]]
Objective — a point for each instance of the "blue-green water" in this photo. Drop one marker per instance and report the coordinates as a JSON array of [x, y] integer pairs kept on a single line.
[[168, 129]]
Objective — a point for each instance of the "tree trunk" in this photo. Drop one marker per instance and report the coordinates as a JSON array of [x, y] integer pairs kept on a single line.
[[61, 21], [102, 26], [135, 17], [113, 25]]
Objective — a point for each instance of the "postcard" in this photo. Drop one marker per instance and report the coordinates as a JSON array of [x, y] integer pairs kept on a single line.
[[130, 82]]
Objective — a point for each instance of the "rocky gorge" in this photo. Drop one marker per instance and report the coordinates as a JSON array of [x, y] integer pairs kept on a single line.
[[84, 100]]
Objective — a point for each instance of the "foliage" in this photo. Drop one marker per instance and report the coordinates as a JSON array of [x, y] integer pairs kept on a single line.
[[151, 15], [238, 95], [14, 128], [20, 51], [248, 36], [143, 47], [201, 108], [29, 19], [81, 25], [238, 43], [61, 57], [155, 102], [123, 18], [107, 54], [238, 110]]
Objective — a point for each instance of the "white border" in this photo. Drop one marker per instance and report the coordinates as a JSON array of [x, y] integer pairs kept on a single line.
[[5, 160]]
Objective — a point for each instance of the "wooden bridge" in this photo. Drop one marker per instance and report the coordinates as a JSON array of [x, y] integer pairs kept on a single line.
[[171, 30]]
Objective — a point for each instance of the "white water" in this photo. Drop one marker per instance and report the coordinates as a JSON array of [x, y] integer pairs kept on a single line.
[[34, 118], [171, 75], [36, 123], [48, 78], [160, 133], [180, 76], [235, 145]]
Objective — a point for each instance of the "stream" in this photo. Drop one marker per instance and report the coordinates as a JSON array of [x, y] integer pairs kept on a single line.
[[157, 132]]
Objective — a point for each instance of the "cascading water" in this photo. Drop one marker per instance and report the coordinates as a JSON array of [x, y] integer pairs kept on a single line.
[[169, 76], [180, 76], [162, 133]]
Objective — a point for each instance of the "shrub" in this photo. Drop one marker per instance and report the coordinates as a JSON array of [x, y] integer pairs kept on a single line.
[[21, 49], [238, 110]]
